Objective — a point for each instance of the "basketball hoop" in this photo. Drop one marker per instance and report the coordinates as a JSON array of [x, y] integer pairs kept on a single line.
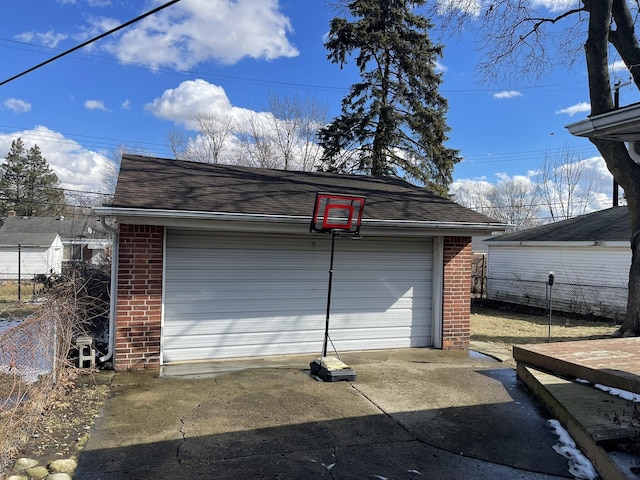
[[339, 215], [337, 212]]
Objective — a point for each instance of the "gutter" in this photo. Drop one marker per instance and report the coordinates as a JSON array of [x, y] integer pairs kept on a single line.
[[559, 243], [113, 290], [249, 217], [619, 124]]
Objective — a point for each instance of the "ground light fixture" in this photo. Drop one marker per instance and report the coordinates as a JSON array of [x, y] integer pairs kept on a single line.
[[339, 215]]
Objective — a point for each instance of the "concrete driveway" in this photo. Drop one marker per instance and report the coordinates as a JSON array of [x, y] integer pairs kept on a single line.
[[411, 414]]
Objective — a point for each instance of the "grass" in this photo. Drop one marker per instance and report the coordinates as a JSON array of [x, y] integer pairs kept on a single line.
[[10, 307], [515, 328]]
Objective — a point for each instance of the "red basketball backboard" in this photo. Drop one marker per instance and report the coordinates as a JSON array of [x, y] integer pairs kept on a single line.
[[334, 211]]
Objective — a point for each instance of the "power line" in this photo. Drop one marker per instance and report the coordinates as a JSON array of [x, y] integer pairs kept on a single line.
[[94, 39], [277, 83]]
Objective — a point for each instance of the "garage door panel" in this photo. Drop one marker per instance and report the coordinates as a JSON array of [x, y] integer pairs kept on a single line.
[[222, 309], [312, 337], [196, 327], [252, 295], [379, 297]]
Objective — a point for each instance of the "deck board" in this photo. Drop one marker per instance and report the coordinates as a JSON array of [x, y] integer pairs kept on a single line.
[[613, 362], [605, 417], [586, 413]]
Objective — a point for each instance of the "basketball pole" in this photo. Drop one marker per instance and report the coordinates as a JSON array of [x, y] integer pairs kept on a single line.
[[326, 324]]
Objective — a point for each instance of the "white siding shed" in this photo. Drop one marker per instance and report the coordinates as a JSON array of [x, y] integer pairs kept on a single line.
[[590, 257], [26, 255]]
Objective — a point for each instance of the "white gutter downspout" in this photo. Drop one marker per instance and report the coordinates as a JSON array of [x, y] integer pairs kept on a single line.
[[437, 291], [113, 294]]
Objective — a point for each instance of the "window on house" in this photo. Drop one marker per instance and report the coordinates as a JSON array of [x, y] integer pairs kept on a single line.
[[73, 253]]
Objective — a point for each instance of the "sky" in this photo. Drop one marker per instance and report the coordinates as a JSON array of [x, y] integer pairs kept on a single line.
[[227, 56]]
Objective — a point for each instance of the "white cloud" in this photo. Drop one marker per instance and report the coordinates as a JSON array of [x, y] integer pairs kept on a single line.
[[507, 94], [582, 107], [554, 5], [475, 7], [472, 192], [471, 7], [618, 66], [190, 98], [48, 39], [77, 168], [196, 31], [96, 26], [197, 97], [91, 3], [95, 105], [16, 105], [126, 105]]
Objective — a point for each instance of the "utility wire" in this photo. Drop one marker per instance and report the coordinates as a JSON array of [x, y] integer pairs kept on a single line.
[[94, 39]]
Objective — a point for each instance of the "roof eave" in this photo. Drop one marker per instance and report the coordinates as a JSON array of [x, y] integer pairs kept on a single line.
[[622, 124], [558, 243], [473, 227]]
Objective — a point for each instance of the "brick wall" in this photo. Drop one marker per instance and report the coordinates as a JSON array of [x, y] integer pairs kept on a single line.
[[456, 301], [139, 305]]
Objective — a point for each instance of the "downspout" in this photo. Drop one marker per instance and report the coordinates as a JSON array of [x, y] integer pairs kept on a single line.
[[437, 292], [113, 290]]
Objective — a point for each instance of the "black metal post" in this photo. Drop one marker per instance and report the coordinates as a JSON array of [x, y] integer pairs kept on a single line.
[[326, 325], [19, 272], [550, 283], [550, 313]]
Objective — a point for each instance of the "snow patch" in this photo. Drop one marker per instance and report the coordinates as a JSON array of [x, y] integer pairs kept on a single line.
[[579, 465]]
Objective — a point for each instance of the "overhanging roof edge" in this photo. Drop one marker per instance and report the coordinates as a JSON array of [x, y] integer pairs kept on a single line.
[[196, 215]]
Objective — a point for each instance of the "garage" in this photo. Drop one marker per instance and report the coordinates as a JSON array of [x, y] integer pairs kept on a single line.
[[230, 295], [217, 261]]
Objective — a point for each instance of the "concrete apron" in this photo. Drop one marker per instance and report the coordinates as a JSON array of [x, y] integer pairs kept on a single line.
[[412, 413]]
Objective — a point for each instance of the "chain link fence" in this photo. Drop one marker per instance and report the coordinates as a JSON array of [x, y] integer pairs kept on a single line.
[[604, 301], [33, 361]]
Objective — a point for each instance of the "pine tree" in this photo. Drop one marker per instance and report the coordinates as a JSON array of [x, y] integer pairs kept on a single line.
[[28, 186], [393, 120]]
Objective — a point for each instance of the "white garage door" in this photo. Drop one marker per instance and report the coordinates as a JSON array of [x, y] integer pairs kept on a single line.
[[255, 295]]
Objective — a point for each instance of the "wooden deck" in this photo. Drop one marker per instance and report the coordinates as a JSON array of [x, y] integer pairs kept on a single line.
[[596, 420], [613, 362]]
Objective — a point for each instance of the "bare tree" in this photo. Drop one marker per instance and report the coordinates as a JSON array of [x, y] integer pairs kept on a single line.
[[113, 167], [568, 186], [178, 142], [519, 40], [515, 201], [285, 136], [295, 123], [257, 148], [215, 131], [472, 194]]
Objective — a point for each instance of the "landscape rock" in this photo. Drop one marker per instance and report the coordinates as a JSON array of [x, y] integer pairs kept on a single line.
[[24, 463], [17, 477], [59, 476], [37, 472], [67, 465]]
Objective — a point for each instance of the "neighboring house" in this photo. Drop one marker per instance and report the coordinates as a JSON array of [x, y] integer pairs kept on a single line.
[[84, 239], [589, 256], [25, 255], [216, 261]]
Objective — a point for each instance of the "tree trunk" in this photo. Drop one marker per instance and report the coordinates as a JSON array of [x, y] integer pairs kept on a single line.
[[624, 170]]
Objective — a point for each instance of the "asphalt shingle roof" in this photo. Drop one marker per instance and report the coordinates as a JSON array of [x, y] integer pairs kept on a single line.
[[612, 224], [67, 228], [165, 184], [27, 239]]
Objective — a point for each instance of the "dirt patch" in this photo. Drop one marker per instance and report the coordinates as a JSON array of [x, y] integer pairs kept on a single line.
[[64, 426]]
